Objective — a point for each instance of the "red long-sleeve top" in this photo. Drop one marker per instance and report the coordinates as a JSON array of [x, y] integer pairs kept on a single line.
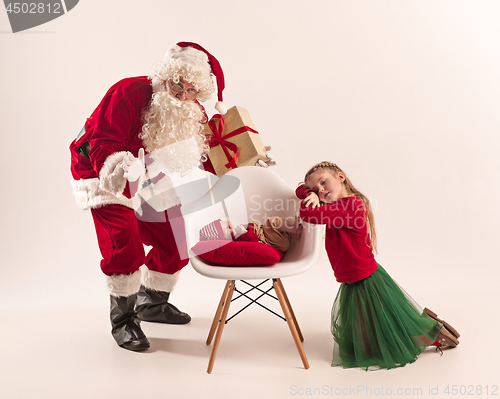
[[347, 241]]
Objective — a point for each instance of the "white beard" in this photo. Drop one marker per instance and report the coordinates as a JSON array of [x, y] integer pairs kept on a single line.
[[172, 135], [169, 120]]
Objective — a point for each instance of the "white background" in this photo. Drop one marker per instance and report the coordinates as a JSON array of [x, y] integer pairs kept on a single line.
[[402, 94]]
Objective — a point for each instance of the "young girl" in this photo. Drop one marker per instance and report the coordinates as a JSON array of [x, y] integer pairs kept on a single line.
[[375, 323]]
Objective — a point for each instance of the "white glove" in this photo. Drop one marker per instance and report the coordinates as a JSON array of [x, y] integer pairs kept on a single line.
[[268, 163], [133, 167]]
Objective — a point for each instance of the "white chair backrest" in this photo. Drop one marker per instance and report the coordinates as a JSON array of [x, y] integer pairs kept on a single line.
[[243, 195]]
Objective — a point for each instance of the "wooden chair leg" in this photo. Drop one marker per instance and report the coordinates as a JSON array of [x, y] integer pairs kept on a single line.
[[218, 313], [291, 310], [221, 322], [279, 293]]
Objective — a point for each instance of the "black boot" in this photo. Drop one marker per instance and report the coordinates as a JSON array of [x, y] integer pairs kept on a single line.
[[154, 306], [126, 325]]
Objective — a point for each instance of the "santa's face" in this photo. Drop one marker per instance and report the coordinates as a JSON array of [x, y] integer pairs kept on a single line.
[[170, 119], [182, 90]]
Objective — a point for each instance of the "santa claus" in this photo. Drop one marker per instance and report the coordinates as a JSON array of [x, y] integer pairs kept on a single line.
[[160, 114]]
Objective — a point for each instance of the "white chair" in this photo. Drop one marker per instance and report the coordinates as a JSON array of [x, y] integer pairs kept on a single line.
[[243, 195]]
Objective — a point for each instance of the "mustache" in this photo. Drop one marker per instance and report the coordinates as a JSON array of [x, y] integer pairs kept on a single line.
[[169, 120]]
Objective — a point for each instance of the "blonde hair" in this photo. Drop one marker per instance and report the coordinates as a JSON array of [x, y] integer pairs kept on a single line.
[[335, 170]]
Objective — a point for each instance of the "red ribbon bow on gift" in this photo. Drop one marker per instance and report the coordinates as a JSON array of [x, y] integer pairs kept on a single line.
[[216, 139]]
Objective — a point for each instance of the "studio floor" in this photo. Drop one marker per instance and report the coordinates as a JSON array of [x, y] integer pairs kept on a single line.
[[67, 351]]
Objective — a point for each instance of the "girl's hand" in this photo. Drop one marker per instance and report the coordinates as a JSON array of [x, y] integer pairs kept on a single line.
[[311, 199]]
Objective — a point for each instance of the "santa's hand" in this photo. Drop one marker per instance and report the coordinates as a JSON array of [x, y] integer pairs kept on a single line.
[[134, 167], [268, 163]]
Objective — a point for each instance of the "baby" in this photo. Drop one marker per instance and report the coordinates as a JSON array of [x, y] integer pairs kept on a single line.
[[275, 231]]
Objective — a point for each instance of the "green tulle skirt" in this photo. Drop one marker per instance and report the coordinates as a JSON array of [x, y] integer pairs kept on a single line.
[[376, 325]]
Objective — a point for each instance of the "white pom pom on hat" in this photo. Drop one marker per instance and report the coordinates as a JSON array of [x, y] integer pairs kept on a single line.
[[221, 107], [216, 70]]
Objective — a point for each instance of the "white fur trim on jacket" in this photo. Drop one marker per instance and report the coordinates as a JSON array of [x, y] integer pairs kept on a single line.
[[88, 194], [111, 174], [159, 281], [124, 284]]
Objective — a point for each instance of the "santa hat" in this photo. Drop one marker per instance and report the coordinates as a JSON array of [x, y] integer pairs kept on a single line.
[[196, 65], [212, 231]]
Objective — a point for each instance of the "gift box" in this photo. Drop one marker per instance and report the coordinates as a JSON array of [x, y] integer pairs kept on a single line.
[[234, 141]]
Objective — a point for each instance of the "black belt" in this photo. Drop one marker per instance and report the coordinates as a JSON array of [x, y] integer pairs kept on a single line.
[[84, 149]]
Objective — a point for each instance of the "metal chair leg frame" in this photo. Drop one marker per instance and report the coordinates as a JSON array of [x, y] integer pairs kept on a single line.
[[291, 324], [221, 322], [254, 301], [218, 313]]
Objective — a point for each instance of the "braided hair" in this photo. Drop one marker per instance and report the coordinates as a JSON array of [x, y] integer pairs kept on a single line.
[[335, 170]]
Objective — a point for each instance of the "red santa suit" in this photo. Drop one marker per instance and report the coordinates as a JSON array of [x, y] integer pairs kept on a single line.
[[137, 115], [111, 132]]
